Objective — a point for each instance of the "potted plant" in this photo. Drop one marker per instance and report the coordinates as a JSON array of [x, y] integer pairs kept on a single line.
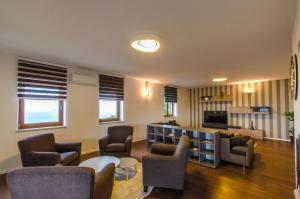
[[290, 117], [222, 94]]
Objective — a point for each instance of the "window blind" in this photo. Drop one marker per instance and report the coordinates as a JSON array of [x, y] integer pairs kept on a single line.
[[170, 94], [111, 88], [41, 81]]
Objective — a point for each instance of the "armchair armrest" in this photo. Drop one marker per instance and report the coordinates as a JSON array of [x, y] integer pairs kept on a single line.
[[103, 142], [104, 182], [35, 158], [67, 147], [163, 149], [128, 143]]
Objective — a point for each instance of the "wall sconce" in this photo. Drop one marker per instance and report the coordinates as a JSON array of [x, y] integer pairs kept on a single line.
[[248, 90], [147, 91]]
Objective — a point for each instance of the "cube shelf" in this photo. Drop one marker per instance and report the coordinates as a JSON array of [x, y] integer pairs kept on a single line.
[[204, 143]]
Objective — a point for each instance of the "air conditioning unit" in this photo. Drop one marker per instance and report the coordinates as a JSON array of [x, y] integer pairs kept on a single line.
[[84, 80]]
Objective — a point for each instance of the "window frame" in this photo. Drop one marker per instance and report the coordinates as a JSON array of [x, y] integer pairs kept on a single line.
[[115, 119], [22, 124], [172, 114]]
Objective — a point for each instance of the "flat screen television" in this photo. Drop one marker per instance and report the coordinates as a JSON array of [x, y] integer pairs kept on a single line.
[[215, 117]]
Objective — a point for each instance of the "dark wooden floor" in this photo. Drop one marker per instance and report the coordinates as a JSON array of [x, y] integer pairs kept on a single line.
[[270, 176]]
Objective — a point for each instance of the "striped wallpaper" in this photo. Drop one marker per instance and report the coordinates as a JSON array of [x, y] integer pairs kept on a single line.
[[269, 93]]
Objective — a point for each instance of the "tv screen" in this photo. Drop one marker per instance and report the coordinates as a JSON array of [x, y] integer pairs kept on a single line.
[[216, 117]]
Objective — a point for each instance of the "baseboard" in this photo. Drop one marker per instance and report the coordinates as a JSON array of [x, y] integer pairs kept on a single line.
[[278, 139]]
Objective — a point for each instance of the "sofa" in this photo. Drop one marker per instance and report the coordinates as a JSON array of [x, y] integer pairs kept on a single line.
[[163, 159], [240, 152], [61, 183], [118, 142], [42, 150]]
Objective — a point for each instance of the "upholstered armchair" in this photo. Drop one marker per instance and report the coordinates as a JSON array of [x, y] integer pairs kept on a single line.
[[61, 183], [166, 166], [240, 154], [118, 141], [42, 150]]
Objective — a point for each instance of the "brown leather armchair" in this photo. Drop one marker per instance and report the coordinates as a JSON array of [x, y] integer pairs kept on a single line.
[[166, 167], [41, 150], [118, 141], [61, 183]]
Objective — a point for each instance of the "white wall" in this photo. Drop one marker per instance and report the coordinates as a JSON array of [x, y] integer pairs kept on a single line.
[[82, 112]]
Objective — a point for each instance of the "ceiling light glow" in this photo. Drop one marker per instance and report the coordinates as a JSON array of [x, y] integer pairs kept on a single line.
[[146, 43], [220, 79]]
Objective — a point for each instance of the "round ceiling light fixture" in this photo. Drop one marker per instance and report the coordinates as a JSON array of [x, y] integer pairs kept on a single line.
[[221, 79], [146, 43]]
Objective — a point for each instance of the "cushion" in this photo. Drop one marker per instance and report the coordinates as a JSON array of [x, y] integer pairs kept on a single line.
[[40, 143], [239, 150], [68, 157], [226, 135], [238, 140], [115, 147], [119, 134]]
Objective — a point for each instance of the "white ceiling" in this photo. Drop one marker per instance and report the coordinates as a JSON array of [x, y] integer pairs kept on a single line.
[[243, 40]]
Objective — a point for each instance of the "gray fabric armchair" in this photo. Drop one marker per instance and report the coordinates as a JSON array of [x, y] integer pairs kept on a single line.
[[41, 150], [118, 141], [241, 155], [166, 167], [61, 183]]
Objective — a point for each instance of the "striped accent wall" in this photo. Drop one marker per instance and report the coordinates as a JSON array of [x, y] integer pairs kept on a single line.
[[269, 93]]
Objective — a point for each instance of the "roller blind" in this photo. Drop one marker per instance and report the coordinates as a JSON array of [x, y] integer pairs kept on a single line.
[[111, 88], [41, 81], [170, 94]]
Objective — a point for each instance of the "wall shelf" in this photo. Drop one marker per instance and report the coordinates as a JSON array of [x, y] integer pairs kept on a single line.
[[217, 98], [247, 110]]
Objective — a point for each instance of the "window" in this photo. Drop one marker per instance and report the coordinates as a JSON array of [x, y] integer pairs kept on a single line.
[[170, 102], [111, 96], [110, 110], [170, 109], [40, 113], [42, 91]]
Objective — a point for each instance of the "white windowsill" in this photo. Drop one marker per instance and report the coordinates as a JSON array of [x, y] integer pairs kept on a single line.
[[40, 129], [169, 116], [111, 122]]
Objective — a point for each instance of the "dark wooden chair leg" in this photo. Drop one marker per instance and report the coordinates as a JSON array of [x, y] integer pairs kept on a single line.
[[179, 193], [145, 188]]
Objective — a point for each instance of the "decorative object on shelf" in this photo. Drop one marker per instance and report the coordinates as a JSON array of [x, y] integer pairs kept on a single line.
[[294, 77], [290, 117], [222, 94], [251, 125], [206, 98]]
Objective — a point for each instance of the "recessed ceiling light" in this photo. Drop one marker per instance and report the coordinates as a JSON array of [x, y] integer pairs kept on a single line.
[[220, 79], [146, 43]]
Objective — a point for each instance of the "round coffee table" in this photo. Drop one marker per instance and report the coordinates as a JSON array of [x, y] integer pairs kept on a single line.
[[98, 163], [127, 163]]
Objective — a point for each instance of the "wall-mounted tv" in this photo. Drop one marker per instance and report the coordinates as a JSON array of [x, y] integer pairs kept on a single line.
[[215, 117]]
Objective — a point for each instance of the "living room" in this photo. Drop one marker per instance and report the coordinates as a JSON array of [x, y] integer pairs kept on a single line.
[[204, 94]]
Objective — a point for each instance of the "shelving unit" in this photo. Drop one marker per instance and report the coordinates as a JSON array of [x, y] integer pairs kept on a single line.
[[217, 98], [204, 143], [247, 110]]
